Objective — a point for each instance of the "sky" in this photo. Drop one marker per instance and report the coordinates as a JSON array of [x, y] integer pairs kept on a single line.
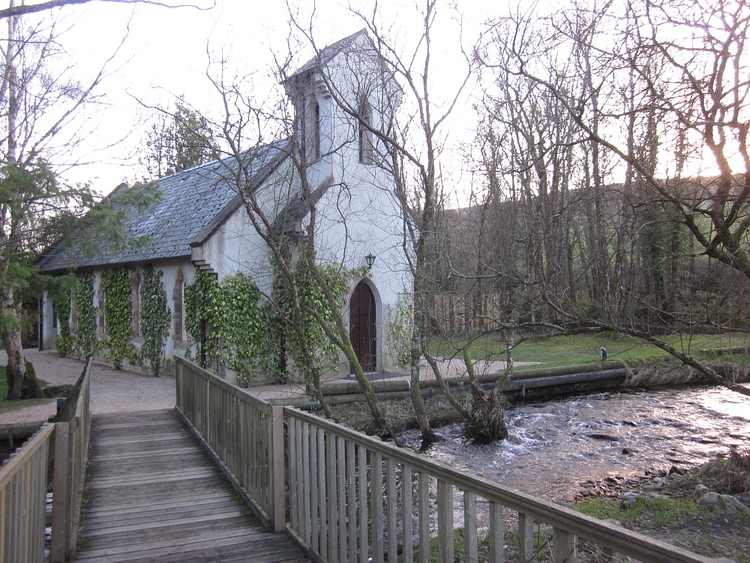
[[165, 55]]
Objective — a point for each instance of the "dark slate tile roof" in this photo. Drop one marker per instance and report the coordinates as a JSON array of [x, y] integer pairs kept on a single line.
[[191, 205]]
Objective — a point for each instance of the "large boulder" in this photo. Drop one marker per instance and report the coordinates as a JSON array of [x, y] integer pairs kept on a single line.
[[723, 504]]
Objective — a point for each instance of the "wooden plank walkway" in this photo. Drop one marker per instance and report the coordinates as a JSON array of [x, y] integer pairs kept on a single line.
[[152, 494]]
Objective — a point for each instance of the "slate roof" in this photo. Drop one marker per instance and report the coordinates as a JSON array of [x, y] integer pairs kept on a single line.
[[190, 206]]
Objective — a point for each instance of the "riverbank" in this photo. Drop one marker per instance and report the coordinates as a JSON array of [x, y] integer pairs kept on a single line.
[[705, 510]]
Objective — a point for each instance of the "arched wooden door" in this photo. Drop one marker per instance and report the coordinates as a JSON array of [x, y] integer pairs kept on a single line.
[[362, 325]]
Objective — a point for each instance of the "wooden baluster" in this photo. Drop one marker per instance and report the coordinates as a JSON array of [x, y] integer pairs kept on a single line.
[[364, 550], [526, 538], [341, 496], [497, 532], [333, 527], [377, 508], [406, 511], [564, 548], [424, 517], [470, 527], [445, 521], [391, 499], [351, 500], [322, 499]]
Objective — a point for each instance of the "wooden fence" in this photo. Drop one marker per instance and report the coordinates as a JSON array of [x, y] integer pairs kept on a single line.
[[243, 434], [355, 498], [23, 494], [72, 433], [25, 478]]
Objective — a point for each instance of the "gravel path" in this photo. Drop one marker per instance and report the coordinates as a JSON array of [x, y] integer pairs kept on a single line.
[[111, 390]]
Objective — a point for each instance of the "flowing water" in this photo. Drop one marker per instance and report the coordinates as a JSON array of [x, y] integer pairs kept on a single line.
[[555, 446]]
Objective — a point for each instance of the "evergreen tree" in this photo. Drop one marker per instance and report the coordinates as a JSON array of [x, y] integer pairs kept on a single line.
[[178, 141]]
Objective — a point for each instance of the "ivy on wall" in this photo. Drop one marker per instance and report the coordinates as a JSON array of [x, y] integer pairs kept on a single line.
[[118, 315], [304, 309], [238, 327], [249, 335], [400, 332], [61, 296], [84, 340], [249, 346], [155, 319], [204, 304]]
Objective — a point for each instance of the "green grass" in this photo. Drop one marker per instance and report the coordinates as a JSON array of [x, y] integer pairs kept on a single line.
[[658, 512], [557, 351]]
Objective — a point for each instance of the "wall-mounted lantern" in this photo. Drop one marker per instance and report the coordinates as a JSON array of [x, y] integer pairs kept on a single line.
[[370, 260]]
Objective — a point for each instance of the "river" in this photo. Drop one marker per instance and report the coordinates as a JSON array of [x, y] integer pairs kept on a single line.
[[555, 446]]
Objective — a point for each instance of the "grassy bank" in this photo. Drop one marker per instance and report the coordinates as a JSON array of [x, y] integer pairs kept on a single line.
[[585, 348], [670, 511]]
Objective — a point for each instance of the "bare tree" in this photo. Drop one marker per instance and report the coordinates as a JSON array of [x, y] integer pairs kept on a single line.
[[39, 108], [13, 10], [411, 148], [305, 290], [658, 87]]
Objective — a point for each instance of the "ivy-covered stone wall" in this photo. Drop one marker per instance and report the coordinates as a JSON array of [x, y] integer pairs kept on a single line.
[[77, 317]]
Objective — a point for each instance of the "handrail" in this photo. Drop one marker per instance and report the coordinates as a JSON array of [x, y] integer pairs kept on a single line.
[[23, 493], [355, 498], [345, 457], [242, 433], [72, 434]]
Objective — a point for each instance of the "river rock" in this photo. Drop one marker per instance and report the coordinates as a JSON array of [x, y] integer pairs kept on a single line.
[[700, 490], [605, 437], [628, 499], [726, 504]]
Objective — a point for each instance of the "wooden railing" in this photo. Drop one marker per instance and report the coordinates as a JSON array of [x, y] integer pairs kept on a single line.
[[23, 494], [24, 481], [244, 435], [72, 433], [355, 498]]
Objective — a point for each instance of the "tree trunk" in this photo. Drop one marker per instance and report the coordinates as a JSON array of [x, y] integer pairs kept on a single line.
[[13, 346]]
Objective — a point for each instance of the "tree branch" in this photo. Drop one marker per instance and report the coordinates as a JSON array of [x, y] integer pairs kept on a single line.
[[51, 4]]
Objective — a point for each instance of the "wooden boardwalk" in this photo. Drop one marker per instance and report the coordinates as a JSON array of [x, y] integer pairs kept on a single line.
[[152, 494]]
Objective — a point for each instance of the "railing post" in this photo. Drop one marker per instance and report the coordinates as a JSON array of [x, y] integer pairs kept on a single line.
[[278, 469], [564, 548], [525, 537], [61, 485]]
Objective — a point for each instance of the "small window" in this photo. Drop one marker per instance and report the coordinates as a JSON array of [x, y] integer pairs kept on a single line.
[[365, 134], [311, 129]]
